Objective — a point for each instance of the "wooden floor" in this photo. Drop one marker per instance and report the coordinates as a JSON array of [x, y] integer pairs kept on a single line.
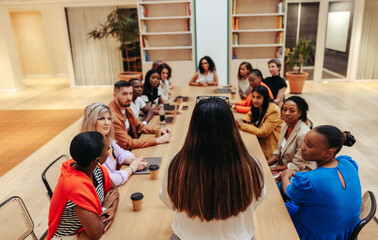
[[22, 132], [350, 106]]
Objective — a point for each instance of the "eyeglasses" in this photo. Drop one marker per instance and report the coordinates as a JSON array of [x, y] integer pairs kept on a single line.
[[224, 98]]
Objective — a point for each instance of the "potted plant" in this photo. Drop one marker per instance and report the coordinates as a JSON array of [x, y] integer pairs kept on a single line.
[[122, 24], [298, 56]]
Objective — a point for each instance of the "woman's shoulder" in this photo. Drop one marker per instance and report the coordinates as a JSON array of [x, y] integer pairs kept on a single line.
[[302, 127], [347, 160], [273, 108], [302, 180]]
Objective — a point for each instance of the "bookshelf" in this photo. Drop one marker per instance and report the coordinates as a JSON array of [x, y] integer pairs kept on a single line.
[[167, 33], [257, 34]]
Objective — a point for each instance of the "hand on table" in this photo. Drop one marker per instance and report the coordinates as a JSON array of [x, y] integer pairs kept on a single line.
[[203, 84], [109, 216], [139, 164], [287, 174], [110, 197], [239, 122], [165, 138]]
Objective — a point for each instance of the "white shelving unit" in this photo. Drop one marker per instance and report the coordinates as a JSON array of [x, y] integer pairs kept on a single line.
[[257, 33], [167, 34]]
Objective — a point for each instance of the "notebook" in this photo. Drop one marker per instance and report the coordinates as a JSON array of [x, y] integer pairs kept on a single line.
[[151, 161]]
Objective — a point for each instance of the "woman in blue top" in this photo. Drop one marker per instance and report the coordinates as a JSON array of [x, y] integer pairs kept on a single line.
[[324, 203]]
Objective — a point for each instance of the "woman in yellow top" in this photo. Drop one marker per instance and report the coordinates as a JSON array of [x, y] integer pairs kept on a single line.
[[264, 120]]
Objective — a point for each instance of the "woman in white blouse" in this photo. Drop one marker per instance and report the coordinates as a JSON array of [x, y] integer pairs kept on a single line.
[[206, 75], [212, 183]]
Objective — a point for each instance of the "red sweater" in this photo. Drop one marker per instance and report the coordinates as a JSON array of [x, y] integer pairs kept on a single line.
[[245, 105], [76, 186]]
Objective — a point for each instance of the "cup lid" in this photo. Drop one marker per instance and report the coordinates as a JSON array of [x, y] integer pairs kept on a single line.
[[153, 167], [136, 196]]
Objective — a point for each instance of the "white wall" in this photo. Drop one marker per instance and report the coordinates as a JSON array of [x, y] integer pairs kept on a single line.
[[10, 77], [212, 34]]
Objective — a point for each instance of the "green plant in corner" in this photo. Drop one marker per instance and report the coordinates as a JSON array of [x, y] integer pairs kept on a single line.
[[121, 24], [300, 54]]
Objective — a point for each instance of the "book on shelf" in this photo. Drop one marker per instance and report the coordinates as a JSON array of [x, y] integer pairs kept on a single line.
[[146, 43], [147, 58], [280, 22], [141, 10], [188, 9], [187, 25], [234, 7], [279, 7], [236, 39], [233, 23], [280, 38], [279, 52], [236, 23], [234, 56], [143, 26]]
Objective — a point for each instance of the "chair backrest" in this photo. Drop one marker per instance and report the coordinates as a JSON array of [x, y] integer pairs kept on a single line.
[[368, 209], [51, 174], [15, 220]]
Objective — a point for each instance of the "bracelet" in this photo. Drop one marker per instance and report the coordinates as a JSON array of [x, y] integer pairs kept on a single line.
[[132, 169]]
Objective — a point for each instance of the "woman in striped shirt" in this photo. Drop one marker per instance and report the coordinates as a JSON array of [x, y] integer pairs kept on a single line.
[[85, 198]]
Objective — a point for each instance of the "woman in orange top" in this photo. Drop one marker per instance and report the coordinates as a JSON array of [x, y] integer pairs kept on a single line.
[[83, 199], [255, 78]]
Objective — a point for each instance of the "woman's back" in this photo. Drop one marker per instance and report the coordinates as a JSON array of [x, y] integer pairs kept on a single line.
[[213, 184], [327, 209]]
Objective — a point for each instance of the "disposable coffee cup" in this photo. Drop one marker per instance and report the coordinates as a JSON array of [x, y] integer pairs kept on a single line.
[[157, 130], [137, 199], [233, 95], [154, 171]]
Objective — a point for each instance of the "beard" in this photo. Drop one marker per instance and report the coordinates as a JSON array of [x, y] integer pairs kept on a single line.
[[124, 105]]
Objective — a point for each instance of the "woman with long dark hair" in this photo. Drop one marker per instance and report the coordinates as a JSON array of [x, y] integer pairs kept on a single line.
[[324, 203], [151, 95], [213, 189], [263, 120]]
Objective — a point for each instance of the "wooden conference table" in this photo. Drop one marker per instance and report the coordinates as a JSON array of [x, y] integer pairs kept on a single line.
[[272, 220]]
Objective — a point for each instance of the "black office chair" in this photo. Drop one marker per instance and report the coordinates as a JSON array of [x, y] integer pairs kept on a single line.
[[51, 174], [368, 209]]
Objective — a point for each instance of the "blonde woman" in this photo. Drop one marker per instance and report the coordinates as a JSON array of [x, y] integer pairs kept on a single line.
[[98, 117]]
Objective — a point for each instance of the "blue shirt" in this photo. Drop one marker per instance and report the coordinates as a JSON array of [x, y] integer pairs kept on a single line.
[[321, 208]]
